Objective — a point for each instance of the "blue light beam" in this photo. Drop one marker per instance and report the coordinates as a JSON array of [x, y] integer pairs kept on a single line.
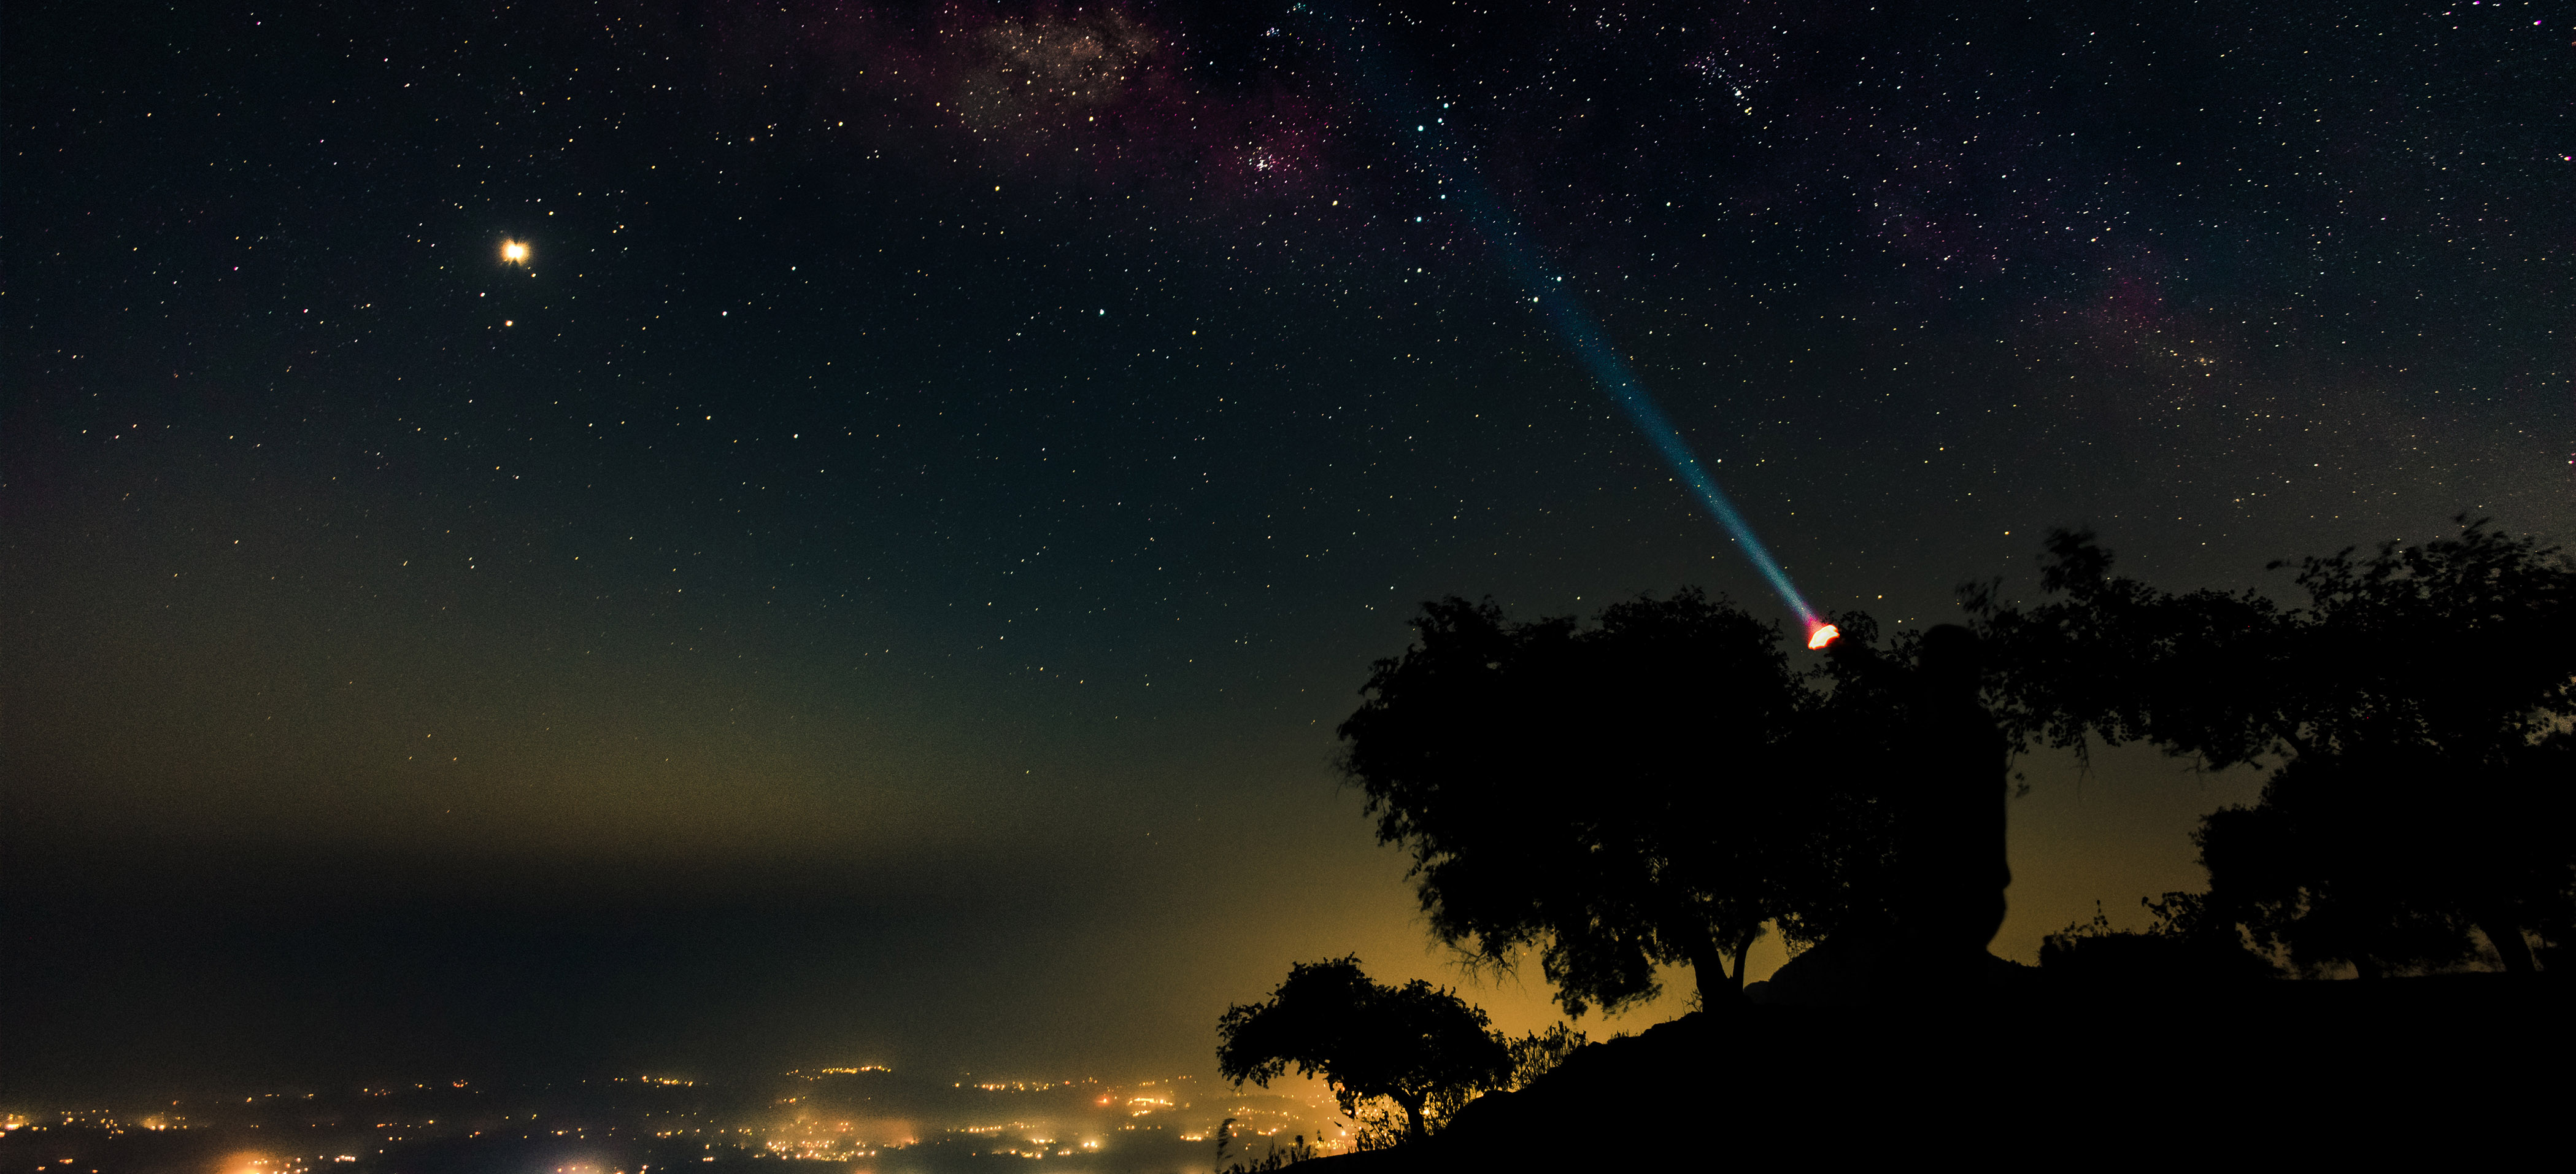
[[1461, 186], [1610, 369]]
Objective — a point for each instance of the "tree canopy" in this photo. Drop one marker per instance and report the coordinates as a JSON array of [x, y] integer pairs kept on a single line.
[[2464, 645], [1411, 1044], [2417, 709], [1637, 793], [2385, 858]]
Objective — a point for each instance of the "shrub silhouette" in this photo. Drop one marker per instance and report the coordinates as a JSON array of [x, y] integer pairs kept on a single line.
[[2181, 947]]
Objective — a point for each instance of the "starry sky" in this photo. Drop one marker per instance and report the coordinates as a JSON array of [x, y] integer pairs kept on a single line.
[[876, 581]]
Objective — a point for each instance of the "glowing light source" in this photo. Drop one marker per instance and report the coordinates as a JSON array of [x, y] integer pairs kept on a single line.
[[1824, 634], [514, 252]]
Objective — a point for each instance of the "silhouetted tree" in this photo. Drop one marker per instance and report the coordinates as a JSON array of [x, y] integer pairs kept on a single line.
[[1615, 798], [1409, 1044], [2415, 695], [2385, 857]]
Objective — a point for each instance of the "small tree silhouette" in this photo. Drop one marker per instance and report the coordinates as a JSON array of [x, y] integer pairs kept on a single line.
[[1409, 1044]]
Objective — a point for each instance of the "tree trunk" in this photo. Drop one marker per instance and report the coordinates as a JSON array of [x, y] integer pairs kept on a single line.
[[1718, 990], [1742, 950], [1412, 1106], [2506, 937]]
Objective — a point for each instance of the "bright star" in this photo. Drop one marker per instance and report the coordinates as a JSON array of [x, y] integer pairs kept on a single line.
[[514, 252]]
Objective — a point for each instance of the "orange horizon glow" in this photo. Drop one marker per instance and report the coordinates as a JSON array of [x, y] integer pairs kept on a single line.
[[1823, 634]]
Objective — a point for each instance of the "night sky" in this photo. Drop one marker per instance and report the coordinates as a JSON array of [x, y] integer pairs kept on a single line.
[[877, 584]]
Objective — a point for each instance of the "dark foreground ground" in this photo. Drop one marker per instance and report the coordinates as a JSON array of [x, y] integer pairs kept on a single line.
[[2472, 1067]]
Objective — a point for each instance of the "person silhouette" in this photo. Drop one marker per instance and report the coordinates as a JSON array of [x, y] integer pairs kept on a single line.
[[1949, 801]]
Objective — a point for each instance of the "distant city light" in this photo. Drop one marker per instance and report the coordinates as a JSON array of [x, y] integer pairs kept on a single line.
[[1083, 1118]]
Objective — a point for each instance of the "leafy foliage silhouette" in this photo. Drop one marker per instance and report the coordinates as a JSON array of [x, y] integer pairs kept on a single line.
[[2385, 859], [1652, 790], [2422, 700], [1415, 1044]]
